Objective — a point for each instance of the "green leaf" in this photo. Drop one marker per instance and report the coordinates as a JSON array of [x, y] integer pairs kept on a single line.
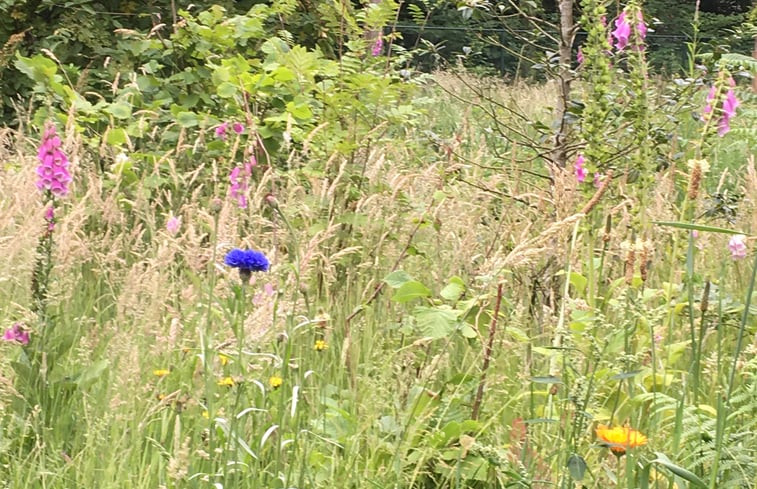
[[664, 461], [576, 466], [300, 111], [436, 322], [397, 278], [625, 375], [226, 90], [187, 119], [116, 136], [547, 379], [454, 289], [411, 290], [89, 375], [696, 227], [119, 110]]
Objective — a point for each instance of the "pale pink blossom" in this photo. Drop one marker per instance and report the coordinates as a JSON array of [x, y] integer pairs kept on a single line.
[[173, 224], [737, 247], [16, 333], [580, 170]]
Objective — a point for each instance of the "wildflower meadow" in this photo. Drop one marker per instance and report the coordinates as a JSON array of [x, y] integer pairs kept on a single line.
[[286, 247]]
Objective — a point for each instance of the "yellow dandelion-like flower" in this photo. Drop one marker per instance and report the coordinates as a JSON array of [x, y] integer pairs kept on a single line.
[[226, 382], [160, 397], [275, 382], [320, 345], [161, 372], [223, 359], [620, 438], [206, 414]]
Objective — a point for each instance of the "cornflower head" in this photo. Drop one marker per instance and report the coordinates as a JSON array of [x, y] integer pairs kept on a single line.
[[16, 333], [52, 171], [247, 261]]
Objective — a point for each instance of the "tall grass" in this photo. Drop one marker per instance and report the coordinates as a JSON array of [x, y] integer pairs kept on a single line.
[[584, 333]]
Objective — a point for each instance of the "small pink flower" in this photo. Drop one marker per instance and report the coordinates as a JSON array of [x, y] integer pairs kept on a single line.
[[173, 224], [580, 170], [50, 218], [16, 333], [729, 111], [221, 131], [377, 46], [268, 291], [622, 32], [237, 127], [580, 56], [641, 27], [53, 164], [737, 247], [598, 177], [239, 179]]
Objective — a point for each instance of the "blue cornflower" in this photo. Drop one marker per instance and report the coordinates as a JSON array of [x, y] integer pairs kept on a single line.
[[247, 260]]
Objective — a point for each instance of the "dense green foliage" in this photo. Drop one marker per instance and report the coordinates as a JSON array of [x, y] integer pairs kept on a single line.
[[448, 305]]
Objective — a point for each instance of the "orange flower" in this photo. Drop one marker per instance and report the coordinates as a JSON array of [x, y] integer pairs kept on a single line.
[[620, 438]]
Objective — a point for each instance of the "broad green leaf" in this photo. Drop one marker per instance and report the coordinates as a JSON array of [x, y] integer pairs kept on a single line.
[[119, 110], [116, 136], [436, 322], [187, 119], [90, 374], [411, 290], [576, 466], [454, 289], [300, 111], [226, 90], [397, 278]]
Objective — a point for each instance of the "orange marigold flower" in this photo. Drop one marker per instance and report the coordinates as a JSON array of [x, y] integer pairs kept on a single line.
[[620, 438]]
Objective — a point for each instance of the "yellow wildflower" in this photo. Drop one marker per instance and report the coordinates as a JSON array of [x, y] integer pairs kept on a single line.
[[206, 414], [320, 345], [620, 438], [275, 382], [223, 359], [226, 382], [161, 372]]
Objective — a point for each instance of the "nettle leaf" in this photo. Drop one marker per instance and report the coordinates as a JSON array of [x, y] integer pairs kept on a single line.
[[454, 289], [411, 290], [436, 322], [226, 90], [119, 110], [397, 278], [187, 119]]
